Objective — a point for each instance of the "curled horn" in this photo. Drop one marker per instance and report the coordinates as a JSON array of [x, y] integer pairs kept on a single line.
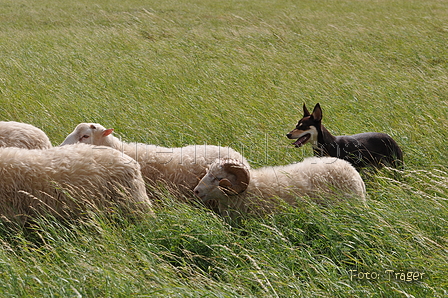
[[242, 177]]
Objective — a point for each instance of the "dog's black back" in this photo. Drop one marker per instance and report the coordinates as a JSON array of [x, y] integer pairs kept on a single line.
[[364, 149], [369, 148]]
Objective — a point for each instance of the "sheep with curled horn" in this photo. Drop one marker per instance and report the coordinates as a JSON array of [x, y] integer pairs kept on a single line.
[[239, 190]]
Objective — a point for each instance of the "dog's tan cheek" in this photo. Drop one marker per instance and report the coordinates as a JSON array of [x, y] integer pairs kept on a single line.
[[295, 133]]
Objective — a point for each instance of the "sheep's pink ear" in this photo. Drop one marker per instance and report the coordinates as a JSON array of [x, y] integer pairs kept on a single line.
[[108, 132], [225, 182]]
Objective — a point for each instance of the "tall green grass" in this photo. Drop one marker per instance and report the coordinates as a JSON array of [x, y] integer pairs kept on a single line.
[[235, 73]]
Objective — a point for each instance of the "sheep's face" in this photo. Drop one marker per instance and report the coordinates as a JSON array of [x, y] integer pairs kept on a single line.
[[224, 178], [213, 186], [88, 133]]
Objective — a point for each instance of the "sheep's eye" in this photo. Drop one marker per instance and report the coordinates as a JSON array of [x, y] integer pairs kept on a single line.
[[83, 138]]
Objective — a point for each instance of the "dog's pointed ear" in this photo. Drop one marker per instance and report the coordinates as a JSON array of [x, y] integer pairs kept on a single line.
[[317, 112], [306, 113]]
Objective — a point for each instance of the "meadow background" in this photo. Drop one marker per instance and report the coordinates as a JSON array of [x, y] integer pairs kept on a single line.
[[235, 73]]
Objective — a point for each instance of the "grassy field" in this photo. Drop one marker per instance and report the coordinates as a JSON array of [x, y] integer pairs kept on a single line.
[[236, 73]]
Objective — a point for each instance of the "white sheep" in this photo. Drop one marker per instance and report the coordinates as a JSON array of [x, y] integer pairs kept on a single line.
[[67, 181], [181, 167], [241, 190], [22, 135]]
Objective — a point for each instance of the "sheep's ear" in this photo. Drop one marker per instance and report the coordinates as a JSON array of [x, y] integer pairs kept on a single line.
[[227, 187], [317, 113], [108, 132], [225, 183]]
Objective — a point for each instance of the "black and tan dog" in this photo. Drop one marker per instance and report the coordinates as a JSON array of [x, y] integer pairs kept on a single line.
[[364, 149]]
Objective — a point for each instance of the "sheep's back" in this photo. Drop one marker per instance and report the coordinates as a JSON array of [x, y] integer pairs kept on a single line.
[[22, 135], [329, 175], [313, 176], [181, 166], [285, 182], [64, 180]]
